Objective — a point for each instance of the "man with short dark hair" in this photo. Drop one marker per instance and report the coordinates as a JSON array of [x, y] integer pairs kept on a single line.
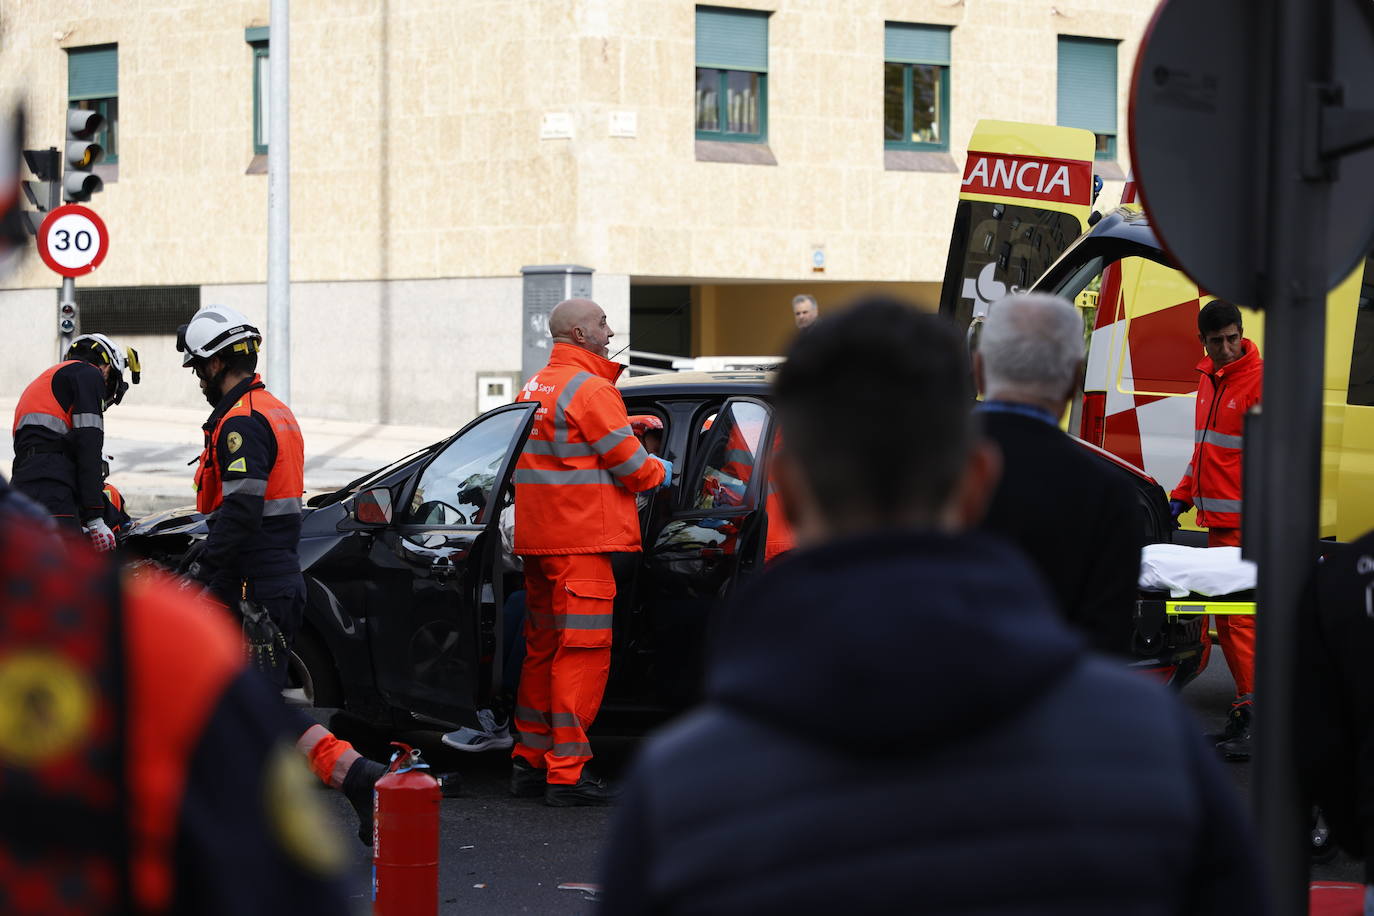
[[895, 712], [1053, 498], [1231, 383]]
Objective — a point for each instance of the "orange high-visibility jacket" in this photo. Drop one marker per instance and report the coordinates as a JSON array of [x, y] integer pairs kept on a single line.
[[576, 478], [286, 479], [1212, 481]]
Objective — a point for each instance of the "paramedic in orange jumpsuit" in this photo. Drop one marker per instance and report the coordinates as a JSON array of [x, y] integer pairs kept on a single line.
[[1232, 379], [574, 506]]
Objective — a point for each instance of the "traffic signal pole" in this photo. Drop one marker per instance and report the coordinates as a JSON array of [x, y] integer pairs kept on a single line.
[[1289, 473], [278, 336]]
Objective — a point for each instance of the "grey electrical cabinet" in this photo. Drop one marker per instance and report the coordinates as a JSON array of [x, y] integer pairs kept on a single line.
[[544, 287]]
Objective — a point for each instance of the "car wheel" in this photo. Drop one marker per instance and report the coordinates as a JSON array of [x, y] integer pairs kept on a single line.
[[311, 679]]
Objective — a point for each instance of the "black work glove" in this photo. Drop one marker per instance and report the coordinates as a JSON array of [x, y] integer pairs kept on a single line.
[[263, 640]]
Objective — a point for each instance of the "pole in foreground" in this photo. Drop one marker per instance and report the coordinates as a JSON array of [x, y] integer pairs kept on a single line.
[[279, 201]]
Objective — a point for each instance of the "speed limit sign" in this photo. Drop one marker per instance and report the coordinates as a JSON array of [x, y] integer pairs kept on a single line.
[[73, 240]]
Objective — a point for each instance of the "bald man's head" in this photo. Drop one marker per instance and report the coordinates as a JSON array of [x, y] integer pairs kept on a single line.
[[582, 323]]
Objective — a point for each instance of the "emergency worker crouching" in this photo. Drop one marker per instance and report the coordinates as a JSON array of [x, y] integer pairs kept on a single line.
[[575, 482], [250, 478], [59, 433]]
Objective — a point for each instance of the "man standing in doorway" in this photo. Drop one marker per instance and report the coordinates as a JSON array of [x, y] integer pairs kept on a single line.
[[574, 506], [1232, 379], [804, 311]]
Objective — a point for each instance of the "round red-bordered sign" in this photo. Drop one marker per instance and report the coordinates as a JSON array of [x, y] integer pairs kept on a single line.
[[73, 240]]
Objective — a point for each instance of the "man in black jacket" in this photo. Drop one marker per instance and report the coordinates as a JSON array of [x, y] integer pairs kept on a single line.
[[1335, 698], [1077, 522], [896, 720]]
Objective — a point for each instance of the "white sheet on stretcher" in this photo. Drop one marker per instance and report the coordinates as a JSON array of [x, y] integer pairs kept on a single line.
[[1202, 570]]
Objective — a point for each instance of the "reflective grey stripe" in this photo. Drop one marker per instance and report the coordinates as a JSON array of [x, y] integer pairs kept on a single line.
[[559, 449], [631, 464], [248, 486], [1212, 437], [1217, 505], [537, 742], [563, 478], [1188, 472], [289, 506], [574, 621], [87, 421], [45, 420], [560, 420], [572, 749], [525, 714], [739, 455], [612, 439], [566, 720]]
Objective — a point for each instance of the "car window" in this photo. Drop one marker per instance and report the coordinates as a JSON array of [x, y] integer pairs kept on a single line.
[[455, 489], [733, 444]]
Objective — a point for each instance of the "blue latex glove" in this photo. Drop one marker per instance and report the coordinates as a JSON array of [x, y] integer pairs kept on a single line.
[[1177, 507], [667, 471], [715, 524]]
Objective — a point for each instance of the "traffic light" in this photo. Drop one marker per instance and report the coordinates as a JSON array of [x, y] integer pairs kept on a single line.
[[42, 193], [66, 318], [83, 152]]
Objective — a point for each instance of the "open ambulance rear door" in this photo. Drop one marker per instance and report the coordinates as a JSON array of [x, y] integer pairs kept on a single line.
[[1026, 195]]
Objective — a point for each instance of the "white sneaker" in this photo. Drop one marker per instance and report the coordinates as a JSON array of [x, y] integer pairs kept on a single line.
[[490, 737]]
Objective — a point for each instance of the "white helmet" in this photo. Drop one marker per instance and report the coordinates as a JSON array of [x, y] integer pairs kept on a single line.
[[212, 329], [99, 350]]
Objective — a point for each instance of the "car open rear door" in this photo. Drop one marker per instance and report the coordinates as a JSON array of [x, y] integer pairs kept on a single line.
[[1026, 195], [716, 534], [430, 567]]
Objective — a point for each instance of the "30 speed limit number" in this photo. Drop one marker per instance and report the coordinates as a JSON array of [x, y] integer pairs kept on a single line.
[[73, 240]]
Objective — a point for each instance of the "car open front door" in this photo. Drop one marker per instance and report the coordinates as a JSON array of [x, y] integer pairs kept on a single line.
[[433, 561]]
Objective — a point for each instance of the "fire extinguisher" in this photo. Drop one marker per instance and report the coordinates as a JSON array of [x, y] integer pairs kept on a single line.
[[405, 838]]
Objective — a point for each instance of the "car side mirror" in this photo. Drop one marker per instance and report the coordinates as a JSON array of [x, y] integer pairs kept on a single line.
[[372, 507]]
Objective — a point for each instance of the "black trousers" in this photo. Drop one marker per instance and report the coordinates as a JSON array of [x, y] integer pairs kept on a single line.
[[58, 498]]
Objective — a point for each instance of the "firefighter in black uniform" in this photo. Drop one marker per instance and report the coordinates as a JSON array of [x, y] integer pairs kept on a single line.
[[143, 767], [250, 479], [249, 484], [59, 433]]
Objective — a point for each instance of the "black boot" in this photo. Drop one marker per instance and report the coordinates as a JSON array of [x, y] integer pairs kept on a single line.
[[526, 781], [589, 790], [1238, 722], [358, 784]]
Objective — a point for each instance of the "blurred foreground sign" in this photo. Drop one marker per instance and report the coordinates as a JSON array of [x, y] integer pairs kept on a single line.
[[1201, 110]]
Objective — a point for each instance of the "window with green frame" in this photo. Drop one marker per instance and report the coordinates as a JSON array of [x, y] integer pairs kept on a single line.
[[915, 86], [257, 39], [1087, 89], [93, 84], [732, 75]]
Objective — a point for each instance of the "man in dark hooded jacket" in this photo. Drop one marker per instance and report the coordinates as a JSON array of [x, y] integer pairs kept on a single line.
[[895, 719]]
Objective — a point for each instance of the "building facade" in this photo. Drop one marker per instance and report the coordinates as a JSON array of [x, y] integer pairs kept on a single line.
[[707, 162]]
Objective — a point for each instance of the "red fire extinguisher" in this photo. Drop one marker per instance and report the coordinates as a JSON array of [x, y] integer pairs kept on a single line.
[[405, 838]]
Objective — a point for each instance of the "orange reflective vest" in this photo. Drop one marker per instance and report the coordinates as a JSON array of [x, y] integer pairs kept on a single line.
[[576, 478], [38, 406], [1212, 481], [286, 480]]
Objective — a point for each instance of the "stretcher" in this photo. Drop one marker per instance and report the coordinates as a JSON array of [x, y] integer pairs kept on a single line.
[[1179, 588]]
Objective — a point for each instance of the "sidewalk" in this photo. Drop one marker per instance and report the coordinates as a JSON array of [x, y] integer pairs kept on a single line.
[[153, 451]]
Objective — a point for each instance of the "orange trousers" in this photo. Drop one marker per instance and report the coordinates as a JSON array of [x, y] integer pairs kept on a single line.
[[1236, 633], [569, 610]]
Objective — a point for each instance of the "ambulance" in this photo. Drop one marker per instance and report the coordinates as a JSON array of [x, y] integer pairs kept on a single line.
[[1025, 221]]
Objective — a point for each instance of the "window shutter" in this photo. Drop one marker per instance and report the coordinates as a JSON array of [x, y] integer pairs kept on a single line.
[[93, 73], [1087, 84], [732, 39], [906, 43]]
